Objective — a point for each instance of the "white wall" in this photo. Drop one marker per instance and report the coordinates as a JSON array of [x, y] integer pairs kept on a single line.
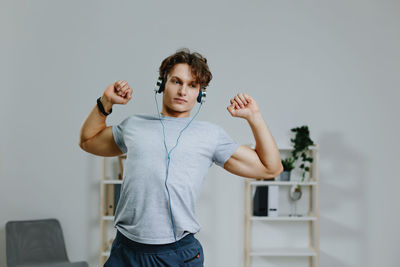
[[332, 65]]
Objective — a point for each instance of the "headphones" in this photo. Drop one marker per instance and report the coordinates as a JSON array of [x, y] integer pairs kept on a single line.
[[160, 86]]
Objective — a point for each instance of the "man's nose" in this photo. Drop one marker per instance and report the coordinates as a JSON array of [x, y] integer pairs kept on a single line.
[[183, 89]]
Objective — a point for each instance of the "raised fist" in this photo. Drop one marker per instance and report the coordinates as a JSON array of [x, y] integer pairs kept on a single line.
[[117, 93]]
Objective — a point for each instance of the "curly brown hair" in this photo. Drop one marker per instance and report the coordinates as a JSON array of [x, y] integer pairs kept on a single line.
[[196, 61]]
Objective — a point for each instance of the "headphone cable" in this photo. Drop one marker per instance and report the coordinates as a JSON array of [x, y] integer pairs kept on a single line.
[[169, 159]]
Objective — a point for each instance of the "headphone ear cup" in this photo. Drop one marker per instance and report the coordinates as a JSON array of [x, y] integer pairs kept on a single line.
[[201, 98], [160, 85]]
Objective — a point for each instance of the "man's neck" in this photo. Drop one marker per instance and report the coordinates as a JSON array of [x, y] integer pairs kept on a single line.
[[172, 113]]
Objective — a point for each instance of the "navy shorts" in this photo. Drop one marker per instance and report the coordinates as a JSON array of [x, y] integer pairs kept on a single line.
[[128, 253]]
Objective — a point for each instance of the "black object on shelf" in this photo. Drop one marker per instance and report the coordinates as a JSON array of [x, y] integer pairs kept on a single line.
[[117, 191], [260, 201]]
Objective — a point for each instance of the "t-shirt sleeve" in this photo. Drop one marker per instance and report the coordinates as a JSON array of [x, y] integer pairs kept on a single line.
[[118, 133], [225, 147]]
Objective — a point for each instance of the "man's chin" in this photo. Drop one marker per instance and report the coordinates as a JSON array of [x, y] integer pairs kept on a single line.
[[181, 107]]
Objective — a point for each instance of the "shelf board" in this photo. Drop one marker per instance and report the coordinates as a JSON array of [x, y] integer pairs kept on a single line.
[[314, 147], [112, 181], [261, 182], [286, 252], [283, 218]]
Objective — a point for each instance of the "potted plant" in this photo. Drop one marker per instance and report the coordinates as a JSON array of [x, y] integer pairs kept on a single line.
[[301, 142], [288, 166]]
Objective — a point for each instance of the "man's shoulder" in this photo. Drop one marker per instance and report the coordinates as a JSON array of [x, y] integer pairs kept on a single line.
[[212, 128], [213, 125], [206, 124]]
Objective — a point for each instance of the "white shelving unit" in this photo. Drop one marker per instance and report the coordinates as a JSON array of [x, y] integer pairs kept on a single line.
[[105, 219], [311, 218]]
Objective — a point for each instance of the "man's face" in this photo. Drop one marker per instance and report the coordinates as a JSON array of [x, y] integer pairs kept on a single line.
[[181, 91]]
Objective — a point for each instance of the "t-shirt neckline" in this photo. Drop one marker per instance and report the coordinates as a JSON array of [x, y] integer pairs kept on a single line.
[[165, 117]]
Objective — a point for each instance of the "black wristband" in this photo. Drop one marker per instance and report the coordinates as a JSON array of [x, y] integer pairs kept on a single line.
[[101, 107]]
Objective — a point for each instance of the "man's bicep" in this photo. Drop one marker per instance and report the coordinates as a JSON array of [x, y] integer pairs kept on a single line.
[[246, 163], [103, 144]]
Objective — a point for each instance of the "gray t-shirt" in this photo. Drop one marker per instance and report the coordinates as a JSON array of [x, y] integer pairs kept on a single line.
[[142, 213]]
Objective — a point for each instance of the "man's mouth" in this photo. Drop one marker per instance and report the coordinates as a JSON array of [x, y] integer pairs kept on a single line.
[[180, 100]]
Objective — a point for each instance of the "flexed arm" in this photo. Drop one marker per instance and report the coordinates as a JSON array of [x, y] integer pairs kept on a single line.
[[95, 137], [264, 161]]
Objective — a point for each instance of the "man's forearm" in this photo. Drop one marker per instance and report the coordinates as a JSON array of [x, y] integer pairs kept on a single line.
[[94, 123], [266, 147]]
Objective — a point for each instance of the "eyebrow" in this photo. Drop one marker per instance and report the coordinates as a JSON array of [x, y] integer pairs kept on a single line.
[[181, 79]]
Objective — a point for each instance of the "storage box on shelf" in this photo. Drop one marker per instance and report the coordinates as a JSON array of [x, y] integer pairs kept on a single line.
[[309, 217]]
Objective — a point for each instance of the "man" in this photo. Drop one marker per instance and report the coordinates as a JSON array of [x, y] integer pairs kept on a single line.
[[168, 156]]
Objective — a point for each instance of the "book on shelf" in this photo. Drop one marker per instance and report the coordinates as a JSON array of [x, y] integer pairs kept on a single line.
[[112, 196], [260, 201], [266, 200], [273, 200], [117, 191], [109, 199]]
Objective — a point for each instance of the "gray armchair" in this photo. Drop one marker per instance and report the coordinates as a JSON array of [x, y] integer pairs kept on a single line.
[[37, 243]]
